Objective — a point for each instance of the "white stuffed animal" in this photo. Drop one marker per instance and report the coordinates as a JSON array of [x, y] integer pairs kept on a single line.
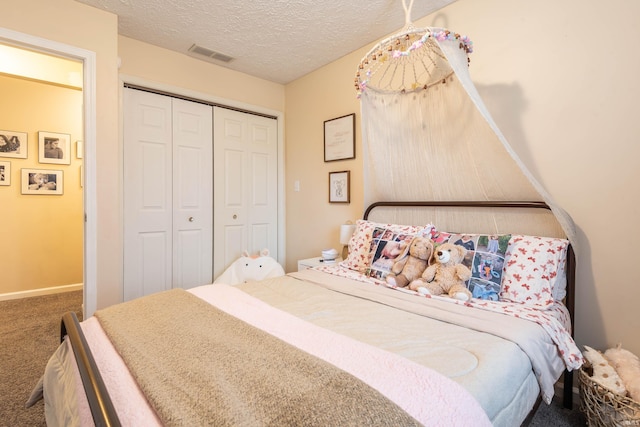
[[627, 366], [251, 268], [603, 372]]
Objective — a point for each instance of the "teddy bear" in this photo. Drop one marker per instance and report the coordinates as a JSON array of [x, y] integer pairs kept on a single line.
[[446, 275], [411, 266]]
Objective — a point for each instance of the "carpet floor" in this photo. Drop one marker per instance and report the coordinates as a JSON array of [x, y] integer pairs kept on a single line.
[[30, 333]]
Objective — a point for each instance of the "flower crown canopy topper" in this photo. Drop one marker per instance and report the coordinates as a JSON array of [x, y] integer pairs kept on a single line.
[[408, 61]]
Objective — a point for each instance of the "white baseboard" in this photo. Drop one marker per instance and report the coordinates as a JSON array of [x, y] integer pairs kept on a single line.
[[42, 291]]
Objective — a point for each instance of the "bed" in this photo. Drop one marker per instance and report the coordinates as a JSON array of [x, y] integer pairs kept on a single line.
[[333, 345]]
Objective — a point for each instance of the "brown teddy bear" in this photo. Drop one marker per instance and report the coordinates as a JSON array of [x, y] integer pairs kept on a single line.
[[447, 275], [411, 266]]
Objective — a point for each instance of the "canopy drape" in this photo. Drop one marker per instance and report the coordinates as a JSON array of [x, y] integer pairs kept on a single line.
[[427, 135]]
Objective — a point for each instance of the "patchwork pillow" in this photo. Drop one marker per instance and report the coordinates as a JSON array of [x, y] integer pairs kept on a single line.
[[364, 244], [534, 266], [387, 247], [485, 259]]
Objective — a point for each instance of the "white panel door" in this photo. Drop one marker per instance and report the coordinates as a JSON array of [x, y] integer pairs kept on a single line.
[[192, 194], [245, 184], [148, 206], [168, 178]]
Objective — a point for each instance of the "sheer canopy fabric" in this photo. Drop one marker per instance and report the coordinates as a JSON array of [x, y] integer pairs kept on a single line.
[[435, 140]]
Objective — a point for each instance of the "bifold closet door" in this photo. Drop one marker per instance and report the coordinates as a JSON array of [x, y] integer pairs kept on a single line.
[[167, 193], [245, 185], [192, 194]]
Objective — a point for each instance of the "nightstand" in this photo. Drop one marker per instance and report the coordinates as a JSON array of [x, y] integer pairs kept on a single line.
[[303, 264]]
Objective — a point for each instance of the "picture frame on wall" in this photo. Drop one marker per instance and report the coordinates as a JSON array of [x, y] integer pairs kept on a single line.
[[340, 138], [5, 173], [54, 148], [79, 149], [13, 144], [42, 181], [339, 187]]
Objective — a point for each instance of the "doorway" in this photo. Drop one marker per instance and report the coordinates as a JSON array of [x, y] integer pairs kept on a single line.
[[87, 58]]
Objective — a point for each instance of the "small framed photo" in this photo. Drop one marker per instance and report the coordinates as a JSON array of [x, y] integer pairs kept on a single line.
[[5, 173], [79, 149], [340, 138], [339, 191], [54, 148], [41, 181], [13, 144]]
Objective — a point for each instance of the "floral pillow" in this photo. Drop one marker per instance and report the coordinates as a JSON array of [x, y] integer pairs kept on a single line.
[[364, 244], [534, 271], [485, 258]]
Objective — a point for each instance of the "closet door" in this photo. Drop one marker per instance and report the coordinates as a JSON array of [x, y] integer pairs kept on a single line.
[[167, 193], [245, 186], [148, 203], [192, 194]]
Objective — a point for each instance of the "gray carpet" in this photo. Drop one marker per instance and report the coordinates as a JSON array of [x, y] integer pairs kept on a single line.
[[557, 416], [29, 334]]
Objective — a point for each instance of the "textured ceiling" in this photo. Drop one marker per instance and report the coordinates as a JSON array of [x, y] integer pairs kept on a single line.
[[277, 40]]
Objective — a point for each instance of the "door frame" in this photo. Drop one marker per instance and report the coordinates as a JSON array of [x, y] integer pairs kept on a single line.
[[194, 95], [88, 59]]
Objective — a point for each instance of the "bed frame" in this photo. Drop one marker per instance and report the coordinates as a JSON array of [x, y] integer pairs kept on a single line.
[[567, 397], [104, 413]]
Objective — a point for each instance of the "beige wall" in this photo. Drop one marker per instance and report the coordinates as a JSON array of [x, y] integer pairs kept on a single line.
[[25, 63], [559, 83], [162, 67], [42, 234], [312, 223], [562, 86], [77, 25]]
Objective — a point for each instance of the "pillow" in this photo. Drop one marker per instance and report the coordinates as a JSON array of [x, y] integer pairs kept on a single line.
[[362, 247], [386, 248], [485, 259], [534, 270]]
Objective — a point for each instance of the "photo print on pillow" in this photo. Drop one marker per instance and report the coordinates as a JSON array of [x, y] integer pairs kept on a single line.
[[362, 248], [485, 258], [388, 245]]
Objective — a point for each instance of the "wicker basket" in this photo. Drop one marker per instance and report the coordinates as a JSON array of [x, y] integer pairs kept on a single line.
[[604, 408]]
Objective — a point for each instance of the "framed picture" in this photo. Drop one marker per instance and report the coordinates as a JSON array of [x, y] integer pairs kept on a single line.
[[340, 138], [5, 173], [339, 187], [54, 148], [79, 149], [13, 144], [41, 181]]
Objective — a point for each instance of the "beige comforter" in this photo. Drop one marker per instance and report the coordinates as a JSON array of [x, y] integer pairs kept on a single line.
[[232, 373]]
